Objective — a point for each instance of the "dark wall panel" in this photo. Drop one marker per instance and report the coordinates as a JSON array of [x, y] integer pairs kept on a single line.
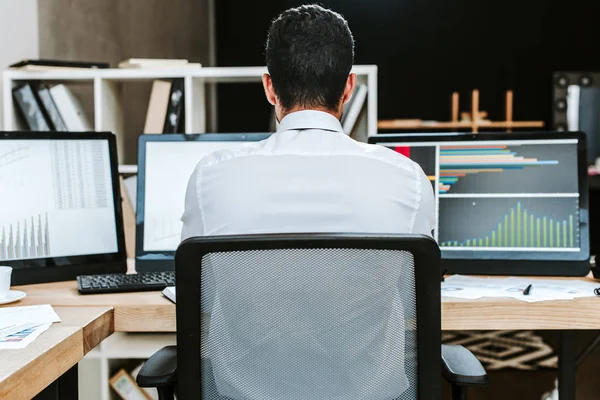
[[425, 49]]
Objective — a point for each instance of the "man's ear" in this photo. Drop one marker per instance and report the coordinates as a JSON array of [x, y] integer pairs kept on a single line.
[[269, 90], [349, 89]]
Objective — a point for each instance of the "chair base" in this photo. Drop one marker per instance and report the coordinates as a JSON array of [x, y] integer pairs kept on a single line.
[[459, 392], [166, 393]]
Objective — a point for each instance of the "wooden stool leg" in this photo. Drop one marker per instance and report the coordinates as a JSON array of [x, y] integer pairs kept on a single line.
[[455, 107], [475, 111], [509, 110]]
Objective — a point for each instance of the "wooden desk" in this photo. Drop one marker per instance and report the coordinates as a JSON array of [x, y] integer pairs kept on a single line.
[[510, 314], [152, 312], [26, 372], [133, 312]]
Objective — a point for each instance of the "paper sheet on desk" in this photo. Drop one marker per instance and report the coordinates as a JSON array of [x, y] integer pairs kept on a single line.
[[13, 316], [19, 326], [551, 289], [23, 337], [467, 287]]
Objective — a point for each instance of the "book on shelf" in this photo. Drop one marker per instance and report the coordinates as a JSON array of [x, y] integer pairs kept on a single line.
[[175, 114], [158, 106], [51, 111], [158, 63], [70, 109], [30, 108], [49, 65], [354, 110], [126, 387]]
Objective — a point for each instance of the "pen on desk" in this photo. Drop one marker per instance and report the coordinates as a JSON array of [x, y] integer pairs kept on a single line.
[[527, 290]]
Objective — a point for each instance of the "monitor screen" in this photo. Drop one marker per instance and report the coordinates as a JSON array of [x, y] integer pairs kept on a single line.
[[503, 199], [168, 162], [57, 199]]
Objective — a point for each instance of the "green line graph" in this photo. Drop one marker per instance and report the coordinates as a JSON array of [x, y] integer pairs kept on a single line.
[[520, 228]]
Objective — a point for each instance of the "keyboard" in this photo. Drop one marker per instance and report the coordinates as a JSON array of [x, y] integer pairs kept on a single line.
[[113, 283]]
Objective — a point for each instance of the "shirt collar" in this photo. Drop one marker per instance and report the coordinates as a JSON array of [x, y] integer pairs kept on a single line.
[[310, 119]]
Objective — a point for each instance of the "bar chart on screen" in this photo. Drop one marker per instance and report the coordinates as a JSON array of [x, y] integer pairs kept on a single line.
[[503, 196], [540, 224], [26, 239], [458, 163], [52, 191], [520, 229], [508, 197]]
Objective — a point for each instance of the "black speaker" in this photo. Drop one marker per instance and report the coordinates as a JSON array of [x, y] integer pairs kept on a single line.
[[586, 80], [561, 81], [560, 105], [582, 88]]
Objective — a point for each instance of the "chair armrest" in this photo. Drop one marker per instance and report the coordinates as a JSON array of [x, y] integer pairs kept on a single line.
[[160, 370], [460, 367]]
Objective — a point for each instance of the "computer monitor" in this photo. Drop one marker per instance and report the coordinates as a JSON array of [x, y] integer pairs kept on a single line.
[[165, 164], [60, 213], [512, 203]]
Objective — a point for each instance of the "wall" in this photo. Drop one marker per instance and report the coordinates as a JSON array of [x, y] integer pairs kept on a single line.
[[426, 49], [114, 30], [19, 33]]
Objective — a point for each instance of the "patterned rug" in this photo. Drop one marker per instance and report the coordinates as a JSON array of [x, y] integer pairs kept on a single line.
[[521, 350]]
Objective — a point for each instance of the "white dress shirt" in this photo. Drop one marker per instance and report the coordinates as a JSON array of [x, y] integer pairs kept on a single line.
[[307, 177]]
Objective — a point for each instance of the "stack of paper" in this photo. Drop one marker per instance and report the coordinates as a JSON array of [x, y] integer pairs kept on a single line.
[[157, 63], [20, 326], [467, 287]]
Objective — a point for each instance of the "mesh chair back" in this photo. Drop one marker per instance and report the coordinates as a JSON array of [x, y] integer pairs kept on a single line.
[[322, 320]]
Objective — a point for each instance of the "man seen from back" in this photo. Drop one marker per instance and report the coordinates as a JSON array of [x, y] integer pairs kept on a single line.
[[309, 176]]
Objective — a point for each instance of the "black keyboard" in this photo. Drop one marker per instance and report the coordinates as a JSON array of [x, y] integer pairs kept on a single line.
[[112, 283]]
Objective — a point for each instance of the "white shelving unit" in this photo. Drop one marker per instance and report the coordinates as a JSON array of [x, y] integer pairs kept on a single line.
[[107, 103], [108, 115], [96, 367]]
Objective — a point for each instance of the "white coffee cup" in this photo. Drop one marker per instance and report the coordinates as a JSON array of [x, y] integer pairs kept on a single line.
[[5, 273]]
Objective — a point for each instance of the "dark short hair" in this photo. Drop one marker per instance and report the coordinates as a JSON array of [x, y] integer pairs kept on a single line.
[[310, 52]]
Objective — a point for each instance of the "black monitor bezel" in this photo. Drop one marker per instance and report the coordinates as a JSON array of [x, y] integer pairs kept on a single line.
[[562, 264], [147, 261], [52, 269]]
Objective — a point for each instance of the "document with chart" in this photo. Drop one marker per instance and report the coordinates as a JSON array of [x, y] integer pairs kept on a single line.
[[510, 196], [57, 199]]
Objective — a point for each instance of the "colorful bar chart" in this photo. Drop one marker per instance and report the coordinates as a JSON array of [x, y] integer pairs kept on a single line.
[[458, 162], [520, 228]]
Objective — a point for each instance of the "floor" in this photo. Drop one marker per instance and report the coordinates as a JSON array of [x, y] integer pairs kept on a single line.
[[504, 385]]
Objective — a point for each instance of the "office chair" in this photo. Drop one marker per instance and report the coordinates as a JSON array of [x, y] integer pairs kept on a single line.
[[309, 316]]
